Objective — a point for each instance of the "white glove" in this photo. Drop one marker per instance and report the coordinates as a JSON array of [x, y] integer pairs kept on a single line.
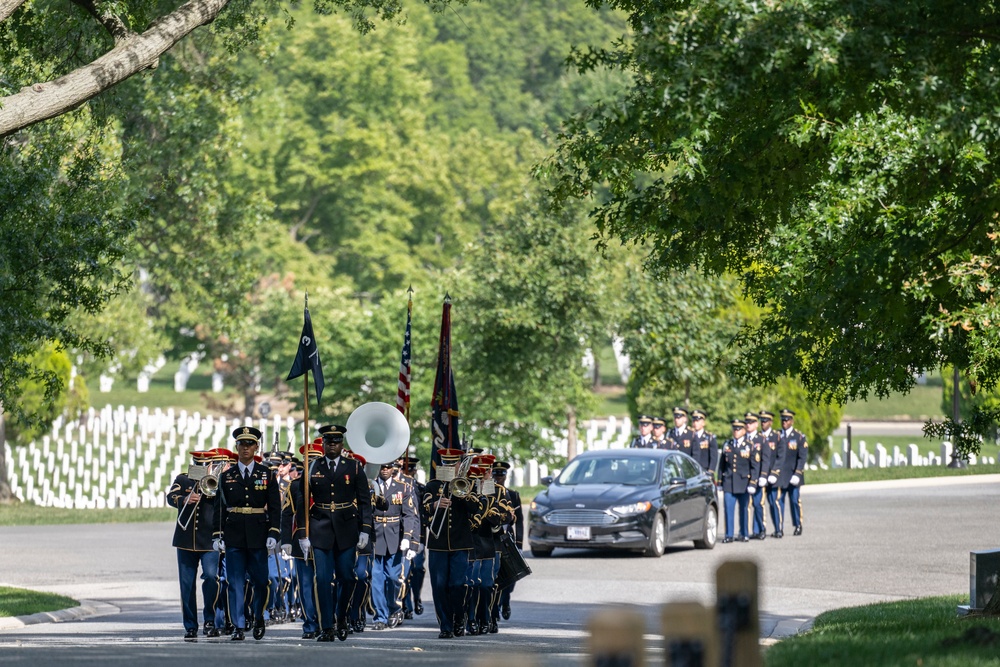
[[404, 545], [363, 540], [751, 489], [762, 482], [286, 549], [795, 480], [771, 479], [271, 544], [411, 554], [305, 545], [218, 545]]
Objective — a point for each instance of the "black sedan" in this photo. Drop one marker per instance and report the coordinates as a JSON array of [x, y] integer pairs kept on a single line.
[[642, 499]]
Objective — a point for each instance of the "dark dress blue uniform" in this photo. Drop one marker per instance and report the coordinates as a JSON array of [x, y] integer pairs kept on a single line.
[[304, 570], [449, 554], [681, 439], [705, 450], [416, 570], [341, 509], [771, 466], [194, 531], [357, 614], [736, 468], [251, 513], [513, 526], [792, 475], [397, 522]]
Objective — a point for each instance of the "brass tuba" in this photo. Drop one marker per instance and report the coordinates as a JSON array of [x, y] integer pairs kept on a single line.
[[379, 432]]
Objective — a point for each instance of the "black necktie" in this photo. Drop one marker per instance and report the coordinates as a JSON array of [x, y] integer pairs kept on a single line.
[[246, 473]]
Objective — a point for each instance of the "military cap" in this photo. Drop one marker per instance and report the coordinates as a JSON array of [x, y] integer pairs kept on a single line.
[[766, 415], [500, 467], [247, 433], [477, 472], [413, 460], [739, 423], [203, 456], [450, 456], [357, 457], [645, 419], [658, 421], [223, 454], [475, 450], [314, 448], [787, 414], [698, 414], [390, 464], [334, 431], [680, 412], [257, 458], [750, 417]]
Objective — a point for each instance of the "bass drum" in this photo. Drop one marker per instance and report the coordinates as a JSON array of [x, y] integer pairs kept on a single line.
[[513, 568]]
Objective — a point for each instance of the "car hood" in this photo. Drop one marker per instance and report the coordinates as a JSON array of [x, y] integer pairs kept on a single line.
[[593, 496]]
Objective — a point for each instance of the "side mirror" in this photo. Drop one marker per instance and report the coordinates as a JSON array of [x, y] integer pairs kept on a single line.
[[675, 482], [547, 480]]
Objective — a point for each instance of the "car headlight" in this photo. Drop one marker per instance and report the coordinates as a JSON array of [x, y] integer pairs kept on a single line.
[[537, 506], [634, 508]]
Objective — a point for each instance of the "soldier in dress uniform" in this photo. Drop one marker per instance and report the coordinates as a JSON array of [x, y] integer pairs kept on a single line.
[[249, 528], [513, 526], [736, 469], [756, 441], [449, 550], [361, 600], [197, 515], [340, 518], [660, 433], [704, 447], [493, 510], [305, 571], [645, 438], [680, 436], [792, 475], [415, 570], [772, 456], [395, 527]]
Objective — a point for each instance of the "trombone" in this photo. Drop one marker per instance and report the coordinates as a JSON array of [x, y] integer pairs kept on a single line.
[[206, 483], [459, 486]]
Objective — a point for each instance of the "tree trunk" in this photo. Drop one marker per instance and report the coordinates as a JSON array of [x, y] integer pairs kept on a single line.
[[571, 438], [41, 101], [6, 493], [597, 373]]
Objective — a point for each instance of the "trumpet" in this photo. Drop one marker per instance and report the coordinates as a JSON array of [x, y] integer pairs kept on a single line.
[[459, 486]]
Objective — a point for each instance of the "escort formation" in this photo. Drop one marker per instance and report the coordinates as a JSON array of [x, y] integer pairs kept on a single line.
[[354, 557], [757, 460]]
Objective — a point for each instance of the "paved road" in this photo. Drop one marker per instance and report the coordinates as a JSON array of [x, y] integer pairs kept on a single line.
[[863, 543]]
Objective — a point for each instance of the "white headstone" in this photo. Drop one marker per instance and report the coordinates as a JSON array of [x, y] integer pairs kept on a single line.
[[105, 382], [946, 452], [142, 383]]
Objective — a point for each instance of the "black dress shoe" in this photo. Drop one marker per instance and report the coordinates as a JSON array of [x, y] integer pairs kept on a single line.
[[395, 620], [472, 628], [309, 635], [229, 628], [408, 615], [342, 632], [505, 612], [761, 535], [209, 625], [379, 625], [777, 534], [325, 636], [258, 631], [798, 530], [727, 540], [237, 635], [445, 635], [744, 539], [190, 635], [418, 607], [213, 632], [494, 627], [484, 628]]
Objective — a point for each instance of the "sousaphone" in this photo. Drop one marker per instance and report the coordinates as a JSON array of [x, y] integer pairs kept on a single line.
[[378, 432]]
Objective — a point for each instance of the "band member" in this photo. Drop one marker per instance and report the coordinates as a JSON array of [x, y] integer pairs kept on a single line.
[[680, 436], [514, 527], [793, 472], [704, 447], [197, 516], [395, 528], [449, 544], [250, 527], [645, 438], [771, 463], [305, 571], [340, 517], [735, 469], [761, 452], [361, 601], [660, 434], [412, 603]]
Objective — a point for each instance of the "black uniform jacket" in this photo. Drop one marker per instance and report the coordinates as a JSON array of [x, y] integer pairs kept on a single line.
[[201, 521], [250, 508], [796, 455], [705, 450], [341, 504], [737, 465], [681, 439], [456, 534], [397, 520]]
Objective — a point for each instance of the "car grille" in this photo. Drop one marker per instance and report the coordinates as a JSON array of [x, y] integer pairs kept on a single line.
[[579, 518]]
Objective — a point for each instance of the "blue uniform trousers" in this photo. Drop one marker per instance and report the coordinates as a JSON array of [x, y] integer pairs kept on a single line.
[[187, 572], [416, 581], [362, 572], [488, 570], [240, 563], [759, 523], [777, 517], [731, 500], [449, 573], [792, 494], [306, 573], [334, 597], [386, 575]]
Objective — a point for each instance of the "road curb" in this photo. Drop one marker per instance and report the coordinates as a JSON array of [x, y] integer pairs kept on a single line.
[[86, 609]]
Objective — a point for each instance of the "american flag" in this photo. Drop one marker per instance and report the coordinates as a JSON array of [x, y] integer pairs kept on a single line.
[[403, 391]]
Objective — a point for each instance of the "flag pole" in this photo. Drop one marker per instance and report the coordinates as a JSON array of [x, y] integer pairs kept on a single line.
[[308, 444]]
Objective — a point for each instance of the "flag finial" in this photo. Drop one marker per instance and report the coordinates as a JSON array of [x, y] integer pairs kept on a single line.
[[307, 300], [447, 298]]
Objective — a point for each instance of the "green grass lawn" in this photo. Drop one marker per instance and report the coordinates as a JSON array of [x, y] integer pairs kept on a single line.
[[922, 403], [27, 514], [925, 632], [834, 476], [21, 602], [198, 397]]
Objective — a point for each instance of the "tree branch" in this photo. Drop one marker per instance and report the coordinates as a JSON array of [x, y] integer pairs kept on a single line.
[[42, 101], [8, 7], [112, 23]]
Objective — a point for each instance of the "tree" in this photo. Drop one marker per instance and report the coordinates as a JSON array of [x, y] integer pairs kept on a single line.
[[837, 158]]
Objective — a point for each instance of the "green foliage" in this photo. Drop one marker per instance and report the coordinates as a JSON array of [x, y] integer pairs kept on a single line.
[[834, 157], [38, 406]]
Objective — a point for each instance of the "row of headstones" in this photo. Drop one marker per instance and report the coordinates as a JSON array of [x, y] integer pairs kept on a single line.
[[881, 458], [186, 368]]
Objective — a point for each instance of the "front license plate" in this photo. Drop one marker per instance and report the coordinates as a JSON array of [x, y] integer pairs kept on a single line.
[[578, 532]]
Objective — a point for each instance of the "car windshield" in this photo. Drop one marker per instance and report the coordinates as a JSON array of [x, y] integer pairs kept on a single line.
[[629, 470]]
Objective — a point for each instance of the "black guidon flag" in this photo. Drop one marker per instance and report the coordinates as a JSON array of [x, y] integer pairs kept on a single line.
[[307, 358]]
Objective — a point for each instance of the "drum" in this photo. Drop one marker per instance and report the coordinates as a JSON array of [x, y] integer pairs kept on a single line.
[[512, 565]]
